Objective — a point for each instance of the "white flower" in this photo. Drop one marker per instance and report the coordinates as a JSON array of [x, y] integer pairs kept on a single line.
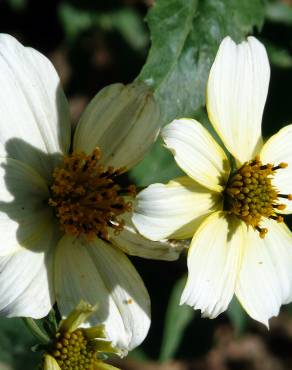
[[239, 243], [40, 264]]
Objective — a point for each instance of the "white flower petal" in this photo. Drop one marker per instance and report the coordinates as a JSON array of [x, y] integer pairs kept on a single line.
[[26, 284], [213, 262], [174, 210], [123, 121], [236, 95], [276, 150], [197, 153], [101, 274], [134, 244], [34, 119], [265, 279], [24, 210]]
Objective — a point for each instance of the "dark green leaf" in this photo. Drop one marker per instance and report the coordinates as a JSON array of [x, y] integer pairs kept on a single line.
[[157, 166], [176, 320], [185, 36]]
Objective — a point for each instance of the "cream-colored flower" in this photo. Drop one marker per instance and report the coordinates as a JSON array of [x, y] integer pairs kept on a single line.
[[74, 347], [78, 254], [233, 213]]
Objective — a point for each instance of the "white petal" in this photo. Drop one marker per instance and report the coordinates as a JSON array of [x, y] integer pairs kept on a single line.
[[134, 244], [24, 210], [197, 153], [276, 150], [26, 284], [236, 95], [265, 279], [123, 121], [34, 119], [103, 275], [174, 210], [213, 262]]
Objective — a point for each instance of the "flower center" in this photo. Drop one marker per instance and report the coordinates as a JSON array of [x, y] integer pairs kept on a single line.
[[86, 196], [74, 351], [250, 194]]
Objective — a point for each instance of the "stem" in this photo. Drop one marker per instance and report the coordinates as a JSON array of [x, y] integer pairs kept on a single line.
[[36, 330]]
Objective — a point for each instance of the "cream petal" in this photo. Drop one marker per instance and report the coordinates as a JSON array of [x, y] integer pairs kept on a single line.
[[123, 121], [236, 95], [101, 274], [50, 363], [174, 210], [34, 121], [276, 150], [213, 262], [24, 212], [26, 284], [134, 244], [265, 279], [197, 153]]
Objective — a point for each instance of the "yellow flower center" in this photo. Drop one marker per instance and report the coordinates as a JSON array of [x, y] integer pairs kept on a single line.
[[250, 194], [86, 196], [74, 351]]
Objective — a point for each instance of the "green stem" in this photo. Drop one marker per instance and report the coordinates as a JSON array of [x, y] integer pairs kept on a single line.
[[36, 330]]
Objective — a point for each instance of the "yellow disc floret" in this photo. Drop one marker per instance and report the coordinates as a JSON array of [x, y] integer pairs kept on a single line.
[[86, 196], [74, 351], [250, 194]]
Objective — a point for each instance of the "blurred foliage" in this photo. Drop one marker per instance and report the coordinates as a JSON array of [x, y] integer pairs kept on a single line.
[[126, 21], [15, 344], [104, 41], [237, 316], [176, 320]]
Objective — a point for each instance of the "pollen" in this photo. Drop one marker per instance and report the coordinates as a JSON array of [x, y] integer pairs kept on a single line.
[[87, 197], [251, 196], [74, 351]]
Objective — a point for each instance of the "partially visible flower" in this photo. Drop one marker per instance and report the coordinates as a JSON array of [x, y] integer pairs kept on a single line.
[[233, 215], [79, 348], [64, 211]]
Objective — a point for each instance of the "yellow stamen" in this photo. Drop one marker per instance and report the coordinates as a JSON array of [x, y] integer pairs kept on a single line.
[[250, 194], [86, 196]]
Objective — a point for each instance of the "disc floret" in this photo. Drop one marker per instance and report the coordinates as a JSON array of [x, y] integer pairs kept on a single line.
[[74, 351], [250, 194], [87, 197]]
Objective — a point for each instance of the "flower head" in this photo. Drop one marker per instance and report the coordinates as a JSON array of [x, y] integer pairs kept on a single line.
[[78, 348], [65, 213], [232, 210]]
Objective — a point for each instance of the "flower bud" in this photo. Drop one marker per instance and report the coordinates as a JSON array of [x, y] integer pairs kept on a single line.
[[123, 121]]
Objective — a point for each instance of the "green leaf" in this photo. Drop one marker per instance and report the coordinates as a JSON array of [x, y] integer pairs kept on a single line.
[[176, 320], [185, 36], [237, 316], [157, 166]]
